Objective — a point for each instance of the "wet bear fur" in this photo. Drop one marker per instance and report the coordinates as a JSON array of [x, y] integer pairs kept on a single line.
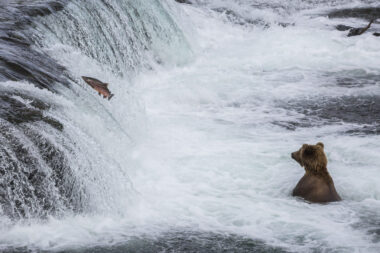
[[316, 185]]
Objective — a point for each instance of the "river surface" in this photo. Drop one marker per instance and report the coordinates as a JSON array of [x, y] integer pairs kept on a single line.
[[192, 154]]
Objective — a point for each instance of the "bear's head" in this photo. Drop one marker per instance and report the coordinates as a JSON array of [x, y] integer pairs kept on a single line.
[[312, 158]]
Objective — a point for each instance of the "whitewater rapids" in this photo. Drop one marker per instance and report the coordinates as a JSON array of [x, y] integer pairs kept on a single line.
[[197, 139]]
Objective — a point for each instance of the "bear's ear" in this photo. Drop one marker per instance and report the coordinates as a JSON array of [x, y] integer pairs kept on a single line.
[[309, 150], [321, 144]]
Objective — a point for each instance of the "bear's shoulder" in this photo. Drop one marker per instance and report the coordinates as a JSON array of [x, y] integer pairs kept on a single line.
[[316, 189]]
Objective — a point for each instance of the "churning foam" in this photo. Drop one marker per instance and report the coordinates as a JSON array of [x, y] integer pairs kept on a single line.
[[210, 157]]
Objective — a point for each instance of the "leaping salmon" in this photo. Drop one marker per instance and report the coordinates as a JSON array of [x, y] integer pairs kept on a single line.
[[99, 86]]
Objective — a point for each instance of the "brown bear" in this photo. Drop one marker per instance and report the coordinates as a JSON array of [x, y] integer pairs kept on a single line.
[[316, 185]]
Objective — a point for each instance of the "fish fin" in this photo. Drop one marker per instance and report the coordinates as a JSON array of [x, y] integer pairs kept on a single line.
[[109, 98], [106, 84]]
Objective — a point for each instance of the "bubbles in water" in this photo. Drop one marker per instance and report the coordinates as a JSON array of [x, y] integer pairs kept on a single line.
[[207, 145]]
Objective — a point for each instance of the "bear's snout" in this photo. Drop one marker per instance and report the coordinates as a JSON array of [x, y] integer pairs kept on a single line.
[[296, 156]]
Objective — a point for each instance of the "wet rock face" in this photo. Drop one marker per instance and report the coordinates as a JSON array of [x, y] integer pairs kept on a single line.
[[18, 60], [16, 112], [41, 8], [29, 187], [35, 177]]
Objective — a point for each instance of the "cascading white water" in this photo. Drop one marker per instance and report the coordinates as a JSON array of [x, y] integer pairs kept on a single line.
[[205, 146], [123, 36], [97, 139], [110, 40]]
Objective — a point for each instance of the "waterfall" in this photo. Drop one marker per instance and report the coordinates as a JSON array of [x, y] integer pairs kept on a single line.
[[193, 151], [64, 151]]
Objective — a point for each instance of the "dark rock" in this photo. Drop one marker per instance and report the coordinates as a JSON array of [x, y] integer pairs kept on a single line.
[[363, 13], [343, 27], [183, 1], [18, 60], [285, 24], [359, 31], [43, 9]]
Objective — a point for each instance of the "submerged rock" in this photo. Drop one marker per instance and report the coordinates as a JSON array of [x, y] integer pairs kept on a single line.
[[359, 31], [343, 27], [183, 1], [355, 31], [363, 13]]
